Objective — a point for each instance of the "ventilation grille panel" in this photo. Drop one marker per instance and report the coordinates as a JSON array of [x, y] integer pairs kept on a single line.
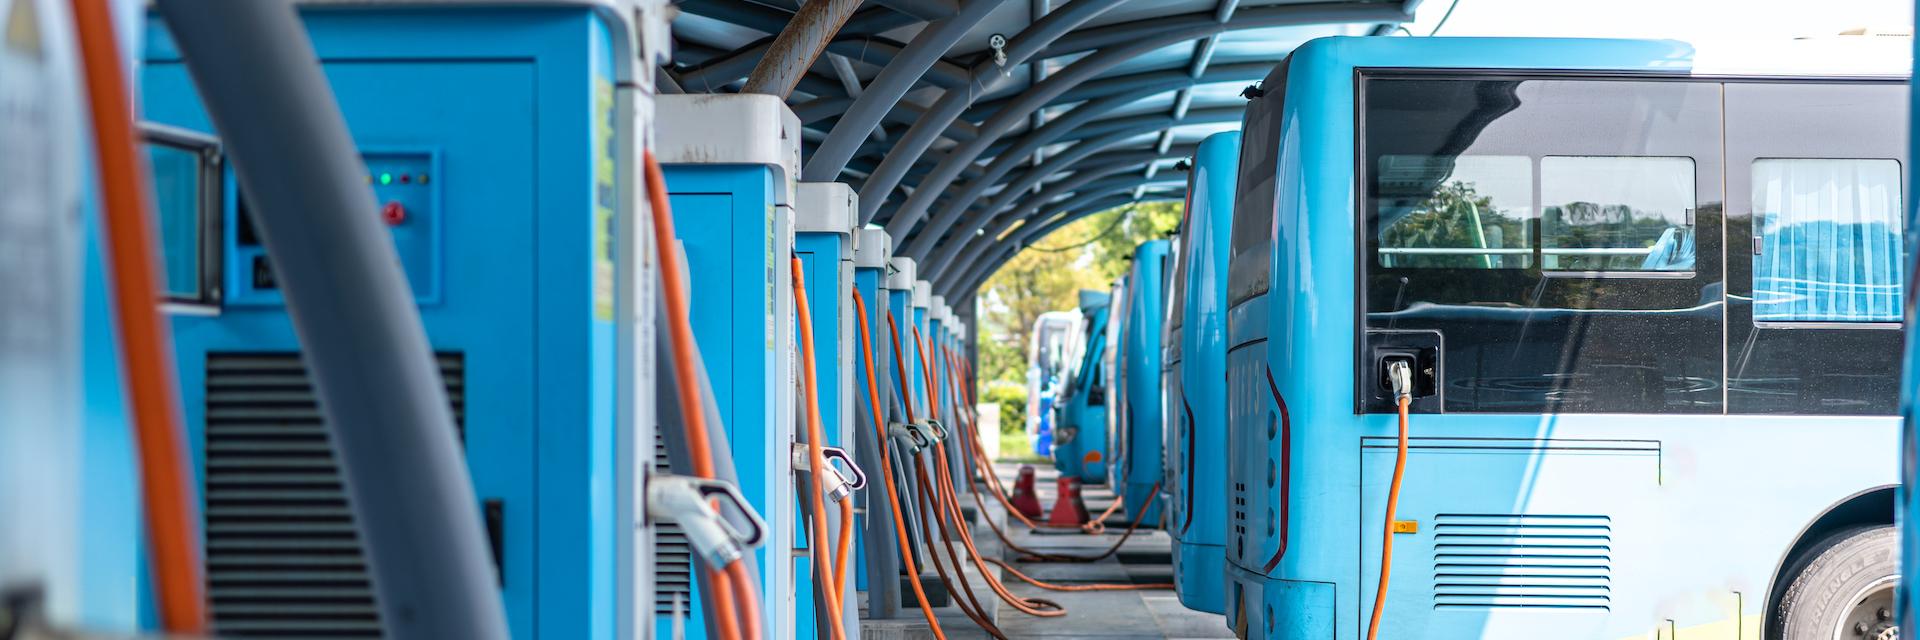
[[672, 558], [283, 556], [1516, 560]]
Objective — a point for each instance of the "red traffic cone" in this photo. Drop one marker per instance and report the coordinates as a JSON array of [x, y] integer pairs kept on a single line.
[[1068, 509], [1024, 499]]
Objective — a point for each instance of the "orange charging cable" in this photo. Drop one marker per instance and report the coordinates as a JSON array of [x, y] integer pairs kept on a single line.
[[145, 349], [1386, 536], [886, 468], [824, 575], [730, 584]]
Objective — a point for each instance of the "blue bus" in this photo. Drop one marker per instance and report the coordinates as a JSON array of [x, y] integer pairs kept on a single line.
[[1196, 400], [1650, 313], [1135, 432], [1080, 428]]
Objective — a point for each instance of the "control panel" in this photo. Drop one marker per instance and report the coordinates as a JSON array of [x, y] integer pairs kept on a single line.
[[406, 191]]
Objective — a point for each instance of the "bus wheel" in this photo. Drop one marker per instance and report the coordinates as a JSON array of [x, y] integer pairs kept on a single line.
[[1842, 588]]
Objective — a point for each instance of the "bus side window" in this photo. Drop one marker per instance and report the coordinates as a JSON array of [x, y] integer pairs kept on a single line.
[[1614, 214], [1826, 241], [187, 189]]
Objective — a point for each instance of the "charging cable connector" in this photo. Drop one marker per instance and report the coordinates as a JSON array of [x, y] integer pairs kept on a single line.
[[1400, 375], [696, 505]]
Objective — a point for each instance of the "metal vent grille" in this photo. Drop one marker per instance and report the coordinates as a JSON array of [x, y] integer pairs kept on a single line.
[[1522, 560], [283, 557], [672, 558]]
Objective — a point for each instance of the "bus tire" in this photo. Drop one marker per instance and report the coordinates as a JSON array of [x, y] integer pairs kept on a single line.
[[1844, 583]]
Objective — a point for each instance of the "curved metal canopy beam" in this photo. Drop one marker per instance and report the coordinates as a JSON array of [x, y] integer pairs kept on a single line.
[[886, 89], [950, 105], [1080, 196], [994, 207], [1156, 35], [725, 68], [963, 285]]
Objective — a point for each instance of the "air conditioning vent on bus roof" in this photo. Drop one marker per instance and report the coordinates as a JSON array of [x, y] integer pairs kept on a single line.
[[283, 556], [1522, 560]]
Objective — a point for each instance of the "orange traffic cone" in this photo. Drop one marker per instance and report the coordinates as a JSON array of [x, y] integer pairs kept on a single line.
[[1024, 499], [1068, 509]]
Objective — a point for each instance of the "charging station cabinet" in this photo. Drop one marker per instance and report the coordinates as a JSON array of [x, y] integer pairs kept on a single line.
[[824, 214], [730, 163], [495, 139], [904, 373], [922, 295], [877, 566]]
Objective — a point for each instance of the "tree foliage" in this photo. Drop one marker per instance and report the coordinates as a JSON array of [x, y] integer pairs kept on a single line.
[[1049, 274]]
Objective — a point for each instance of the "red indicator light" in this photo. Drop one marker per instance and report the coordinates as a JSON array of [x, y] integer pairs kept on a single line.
[[393, 213], [405, 179]]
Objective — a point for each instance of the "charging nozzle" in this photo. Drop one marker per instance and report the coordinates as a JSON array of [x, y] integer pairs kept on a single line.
[[696, 505], [1400, 375]]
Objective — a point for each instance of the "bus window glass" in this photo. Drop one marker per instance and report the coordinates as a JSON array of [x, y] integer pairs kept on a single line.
[[1611, 214], [1461, 212], [1827, 242]]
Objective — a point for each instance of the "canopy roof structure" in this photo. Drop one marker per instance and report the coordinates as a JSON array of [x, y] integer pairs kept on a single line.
[[971, 128]]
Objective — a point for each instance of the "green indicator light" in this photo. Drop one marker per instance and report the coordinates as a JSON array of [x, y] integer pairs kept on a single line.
[[386, 178]]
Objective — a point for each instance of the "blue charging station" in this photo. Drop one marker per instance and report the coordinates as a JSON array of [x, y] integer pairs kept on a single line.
[[1080, 437], [730, 162], [1137, 445], [824, 215], [877, 570], [905, 375], [1197, 351], [493, 143]]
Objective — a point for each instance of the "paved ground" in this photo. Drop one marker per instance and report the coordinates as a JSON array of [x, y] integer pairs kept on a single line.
[[1120, 615]]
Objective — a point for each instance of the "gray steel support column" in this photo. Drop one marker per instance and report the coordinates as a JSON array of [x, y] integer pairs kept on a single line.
[[797, 47], [360, 334], [886, 89], [1157, 35], [1032, 40]]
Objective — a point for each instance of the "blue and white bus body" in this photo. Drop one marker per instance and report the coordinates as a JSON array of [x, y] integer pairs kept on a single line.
[[1611, 523], [1196, 394], [1135, 473]]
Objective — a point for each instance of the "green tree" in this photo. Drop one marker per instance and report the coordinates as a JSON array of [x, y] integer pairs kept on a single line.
[[1048, 275]]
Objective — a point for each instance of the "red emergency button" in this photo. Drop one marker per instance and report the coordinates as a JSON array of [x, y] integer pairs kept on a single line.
[[393, 213]]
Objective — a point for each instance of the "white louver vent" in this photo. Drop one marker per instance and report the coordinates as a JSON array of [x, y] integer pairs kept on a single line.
[[1522, 560]]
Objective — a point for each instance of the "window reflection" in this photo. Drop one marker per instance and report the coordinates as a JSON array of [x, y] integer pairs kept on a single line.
[[1462, 212], [1616, 213]]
